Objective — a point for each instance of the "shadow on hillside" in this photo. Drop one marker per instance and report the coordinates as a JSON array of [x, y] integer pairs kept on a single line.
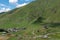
[[51, 24], [57, 24], [39, 20]]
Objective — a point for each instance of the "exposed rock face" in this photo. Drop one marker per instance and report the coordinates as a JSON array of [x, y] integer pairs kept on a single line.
[[16, 29]]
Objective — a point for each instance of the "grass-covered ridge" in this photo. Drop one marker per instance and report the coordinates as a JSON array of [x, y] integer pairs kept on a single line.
[[34, 16]]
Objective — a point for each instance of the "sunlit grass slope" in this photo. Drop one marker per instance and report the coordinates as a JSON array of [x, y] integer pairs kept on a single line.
[[48, 9], [33, 16]]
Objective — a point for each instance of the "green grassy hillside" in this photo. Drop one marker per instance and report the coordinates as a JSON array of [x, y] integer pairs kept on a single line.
[[34, 16]]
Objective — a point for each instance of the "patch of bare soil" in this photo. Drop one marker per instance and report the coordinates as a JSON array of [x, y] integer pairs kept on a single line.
[[6, 37]]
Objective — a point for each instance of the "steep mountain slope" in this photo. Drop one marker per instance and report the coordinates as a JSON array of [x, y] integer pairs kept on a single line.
[[17, 17], [34, 16], [48, 9]]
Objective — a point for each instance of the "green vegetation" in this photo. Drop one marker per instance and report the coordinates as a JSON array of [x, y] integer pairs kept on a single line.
[[34, 16]]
